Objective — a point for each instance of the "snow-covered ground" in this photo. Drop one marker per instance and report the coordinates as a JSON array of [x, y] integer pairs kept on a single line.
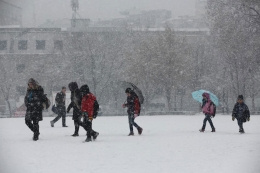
[[169, 144]]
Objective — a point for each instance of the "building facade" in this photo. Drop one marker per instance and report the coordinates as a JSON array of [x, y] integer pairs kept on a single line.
[[10, 14], [51, 55]]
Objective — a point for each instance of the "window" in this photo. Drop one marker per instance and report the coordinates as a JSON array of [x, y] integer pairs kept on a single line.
[[40, 44], [20, 68], [3, 44], [22, 45], [58, 45]]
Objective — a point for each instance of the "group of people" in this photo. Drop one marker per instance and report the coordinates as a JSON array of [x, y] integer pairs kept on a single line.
[[240, 112], [84, 104]]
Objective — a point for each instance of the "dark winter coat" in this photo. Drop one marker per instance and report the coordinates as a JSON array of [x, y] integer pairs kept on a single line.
[[75, 104], [34, 103], [241, 111], [60, 102], [133, 104]]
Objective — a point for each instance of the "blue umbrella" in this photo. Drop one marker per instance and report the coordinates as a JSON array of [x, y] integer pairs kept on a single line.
[[197, 95]]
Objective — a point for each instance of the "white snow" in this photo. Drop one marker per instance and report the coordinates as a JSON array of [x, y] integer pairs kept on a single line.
[[169, 144]]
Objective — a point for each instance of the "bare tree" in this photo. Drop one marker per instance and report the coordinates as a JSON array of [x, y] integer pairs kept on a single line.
[[5, 85]]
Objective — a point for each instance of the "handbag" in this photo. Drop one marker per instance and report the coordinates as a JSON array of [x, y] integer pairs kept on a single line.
[[54, 109]]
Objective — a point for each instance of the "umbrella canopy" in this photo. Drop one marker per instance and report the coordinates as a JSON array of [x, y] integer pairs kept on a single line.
[[134, 88], [197, 95]]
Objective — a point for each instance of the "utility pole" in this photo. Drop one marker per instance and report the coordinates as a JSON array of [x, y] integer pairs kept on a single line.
[[34, 15], [75, 7]]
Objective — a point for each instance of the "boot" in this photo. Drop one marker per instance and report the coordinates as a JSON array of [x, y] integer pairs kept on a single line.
[[75, 135], [52, 123], [131, 134], [213, 130], [140, 130], [36, 136], [202, 130], [95, 136], [64, 125], [88, 139], [241, 130]]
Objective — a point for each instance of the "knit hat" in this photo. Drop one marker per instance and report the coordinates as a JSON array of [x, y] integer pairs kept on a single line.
[[240, 97], [128, 90]]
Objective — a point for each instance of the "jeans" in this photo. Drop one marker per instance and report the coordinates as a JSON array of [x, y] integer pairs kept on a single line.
[[207, 118], [131, 120]]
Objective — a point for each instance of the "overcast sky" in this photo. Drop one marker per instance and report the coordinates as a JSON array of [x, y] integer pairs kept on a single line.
[[96, 9]]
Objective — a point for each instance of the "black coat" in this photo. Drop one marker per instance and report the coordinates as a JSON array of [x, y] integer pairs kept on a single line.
[[34, 103], [60, 102], [131, 103], [75, 104], [241, 111]]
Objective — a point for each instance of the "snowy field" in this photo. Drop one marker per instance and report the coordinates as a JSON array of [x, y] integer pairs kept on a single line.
[[168, 144]]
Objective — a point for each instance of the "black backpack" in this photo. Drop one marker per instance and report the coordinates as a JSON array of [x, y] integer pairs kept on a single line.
[[96, 109], [214, 106]]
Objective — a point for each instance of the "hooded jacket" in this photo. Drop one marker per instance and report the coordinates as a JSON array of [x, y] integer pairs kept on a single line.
[[206, 105], [75, 100], [33, 101]]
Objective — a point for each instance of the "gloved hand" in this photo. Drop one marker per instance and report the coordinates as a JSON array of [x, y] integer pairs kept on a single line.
[[233, 118], [248, 119], [84, 114], [90, 119]]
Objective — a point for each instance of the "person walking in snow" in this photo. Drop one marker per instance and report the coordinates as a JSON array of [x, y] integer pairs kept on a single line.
[[76, 105], [241, 113], [133, 109], [88, 109], [33, 101], [209, 110], [61, 107]]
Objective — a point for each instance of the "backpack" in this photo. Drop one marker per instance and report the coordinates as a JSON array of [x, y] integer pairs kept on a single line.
[[96, 109], [137, 105], [213, 108]]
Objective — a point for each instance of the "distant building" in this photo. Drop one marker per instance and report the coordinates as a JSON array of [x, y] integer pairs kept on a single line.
[[149, 19], [49, 54], [137, 19], [196, 22], [10, 14], [201, 9]]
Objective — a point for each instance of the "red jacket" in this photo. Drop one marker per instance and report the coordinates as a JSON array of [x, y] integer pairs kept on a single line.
[[87, 104]]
